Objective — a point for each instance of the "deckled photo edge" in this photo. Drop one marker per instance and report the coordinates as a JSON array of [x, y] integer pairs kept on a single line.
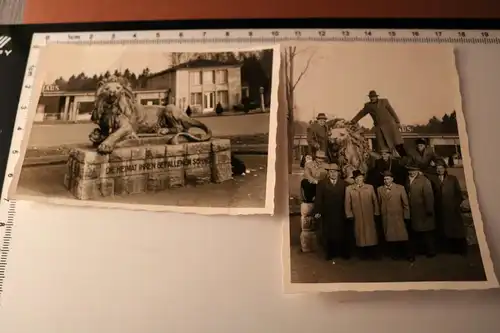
[[33, 101], [266, 209], [273, 131], [463, 135], [491, 281]]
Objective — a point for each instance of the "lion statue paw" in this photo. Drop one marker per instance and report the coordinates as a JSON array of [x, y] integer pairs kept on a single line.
[[163, 131], [104, 148]]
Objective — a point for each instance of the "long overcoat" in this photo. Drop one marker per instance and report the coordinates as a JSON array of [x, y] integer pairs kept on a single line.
[[361, 204], [395, 209], [448, 198], [317, 138], [421, 197], [385, 121], [329, 202]]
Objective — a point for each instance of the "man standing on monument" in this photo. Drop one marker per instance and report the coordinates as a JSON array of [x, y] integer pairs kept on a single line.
[[317, 135], [385, 121]]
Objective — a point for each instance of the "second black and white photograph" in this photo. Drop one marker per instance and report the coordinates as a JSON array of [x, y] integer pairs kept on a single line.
[[381, 191], [156, 127]]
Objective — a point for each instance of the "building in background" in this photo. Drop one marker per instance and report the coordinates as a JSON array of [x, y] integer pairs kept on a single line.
[[201, 84], [444, 144], [55, 104]]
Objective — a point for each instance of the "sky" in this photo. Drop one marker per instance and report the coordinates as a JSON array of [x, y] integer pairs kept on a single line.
[[420, 81], [98, 59], [66, 60]]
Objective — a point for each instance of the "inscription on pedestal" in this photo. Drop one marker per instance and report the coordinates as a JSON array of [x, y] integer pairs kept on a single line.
[[146, 168]]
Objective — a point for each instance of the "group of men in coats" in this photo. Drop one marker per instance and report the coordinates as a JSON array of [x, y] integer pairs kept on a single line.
[[402, 206]]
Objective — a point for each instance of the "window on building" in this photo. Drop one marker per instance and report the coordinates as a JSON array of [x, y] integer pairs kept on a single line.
[[222, 76], [208, 77], [150, 101], [195, 98], [85, 107], [195, 78], [223, 97]]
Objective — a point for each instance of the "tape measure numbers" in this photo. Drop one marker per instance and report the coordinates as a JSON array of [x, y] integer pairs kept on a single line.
[[265, 35], [235, 36]]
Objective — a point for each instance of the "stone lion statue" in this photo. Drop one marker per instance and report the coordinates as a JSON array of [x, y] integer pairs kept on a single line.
[[349, 148], [120, 117]]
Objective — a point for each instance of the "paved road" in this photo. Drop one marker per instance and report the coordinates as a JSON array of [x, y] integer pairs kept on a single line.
[[242, 191], [43, 135]]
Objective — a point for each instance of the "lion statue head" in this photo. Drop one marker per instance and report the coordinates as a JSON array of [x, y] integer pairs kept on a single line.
[[352, 149], [114, 96]]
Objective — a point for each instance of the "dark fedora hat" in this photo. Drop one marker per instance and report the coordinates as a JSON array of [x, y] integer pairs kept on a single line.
[[387, 173], [441, 162], [372, 93], [321, 116], [412, 166], [420, 141], [356, 174]]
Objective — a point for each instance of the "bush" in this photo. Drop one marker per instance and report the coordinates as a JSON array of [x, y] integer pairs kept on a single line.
[[189, 112], [219, 109]]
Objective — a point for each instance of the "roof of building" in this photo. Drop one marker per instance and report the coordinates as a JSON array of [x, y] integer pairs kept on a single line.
[[198, 63]]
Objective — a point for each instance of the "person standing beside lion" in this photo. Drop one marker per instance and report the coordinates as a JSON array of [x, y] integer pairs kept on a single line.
[[317, 135], [386, 123]]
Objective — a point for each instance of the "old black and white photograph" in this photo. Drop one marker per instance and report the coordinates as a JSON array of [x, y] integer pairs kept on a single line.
[[381, 191], [155, 127]]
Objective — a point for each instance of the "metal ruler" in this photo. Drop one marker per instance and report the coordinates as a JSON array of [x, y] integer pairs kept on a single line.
[[236, 36]]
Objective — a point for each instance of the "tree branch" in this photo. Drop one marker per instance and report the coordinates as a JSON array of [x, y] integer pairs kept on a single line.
[[303, 71]]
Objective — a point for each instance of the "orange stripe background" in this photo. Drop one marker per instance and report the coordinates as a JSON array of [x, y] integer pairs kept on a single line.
[[58, 11]]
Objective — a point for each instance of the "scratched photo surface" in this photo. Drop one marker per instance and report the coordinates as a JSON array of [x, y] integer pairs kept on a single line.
[[381, 191], [158, 127]]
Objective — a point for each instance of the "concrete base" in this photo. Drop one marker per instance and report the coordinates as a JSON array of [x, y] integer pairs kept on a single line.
[[146, 166]]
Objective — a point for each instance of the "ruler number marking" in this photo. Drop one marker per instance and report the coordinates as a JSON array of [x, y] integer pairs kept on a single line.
[[485, 34], [368, 33], [415, 33], [298, 33], [461, 34], [438, 33], [228, 34], [181, 35], [345, 33], [392, 33], [322, 33], [275, 33]]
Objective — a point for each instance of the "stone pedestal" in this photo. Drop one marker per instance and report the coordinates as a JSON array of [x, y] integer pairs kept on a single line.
[[147, 165]]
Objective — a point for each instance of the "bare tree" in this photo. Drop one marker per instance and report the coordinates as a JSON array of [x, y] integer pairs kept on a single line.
[[291, 82]]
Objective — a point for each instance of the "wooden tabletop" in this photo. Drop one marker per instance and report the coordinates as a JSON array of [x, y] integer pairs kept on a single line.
[[52, 11]]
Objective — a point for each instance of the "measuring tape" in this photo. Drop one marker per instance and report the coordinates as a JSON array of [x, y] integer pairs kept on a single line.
[[239, 36]]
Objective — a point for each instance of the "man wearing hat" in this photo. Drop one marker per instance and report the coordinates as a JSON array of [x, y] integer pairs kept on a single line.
[[385, 121], [448, 199], [361, 207], [317, 135], [424, 157], [422, 223], [335, 234], [395, 213], [387, 162], [313, 173]]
